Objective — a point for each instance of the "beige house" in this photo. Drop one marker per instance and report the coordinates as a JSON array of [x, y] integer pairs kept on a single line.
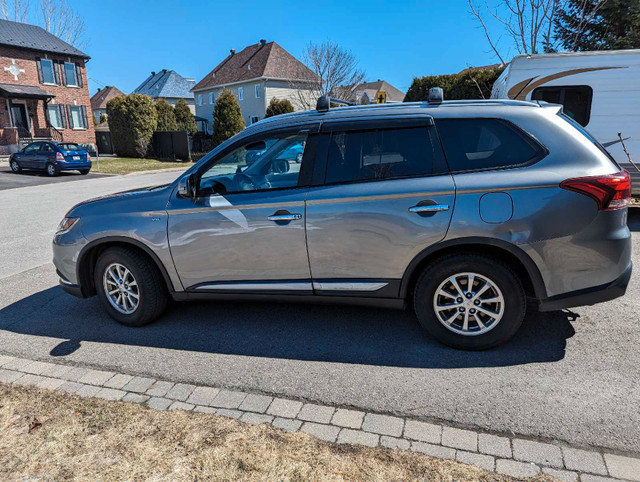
[[368, 93], [100, 99], [255, 75]]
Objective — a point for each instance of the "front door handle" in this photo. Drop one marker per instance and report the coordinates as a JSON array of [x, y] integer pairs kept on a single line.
[[284, 216], [428, 208]]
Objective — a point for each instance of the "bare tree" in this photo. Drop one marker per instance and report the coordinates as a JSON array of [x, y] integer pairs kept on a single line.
[[527, 22], [16, 10], [336, 74], [62, 21]]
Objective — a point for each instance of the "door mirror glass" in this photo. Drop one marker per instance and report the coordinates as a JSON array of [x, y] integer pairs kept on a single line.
[[280, 166], [186, 187]]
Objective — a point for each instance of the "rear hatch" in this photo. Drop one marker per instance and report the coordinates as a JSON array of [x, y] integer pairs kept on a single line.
[[73, 153]]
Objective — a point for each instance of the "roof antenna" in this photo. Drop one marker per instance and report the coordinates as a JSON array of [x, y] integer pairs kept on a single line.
[[436, 95], [323, 104]]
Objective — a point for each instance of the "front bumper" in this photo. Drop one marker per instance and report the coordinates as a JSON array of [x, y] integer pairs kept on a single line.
[[589, 296], [69, 287]]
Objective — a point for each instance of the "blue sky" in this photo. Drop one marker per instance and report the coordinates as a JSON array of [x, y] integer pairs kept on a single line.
[[393, 40]]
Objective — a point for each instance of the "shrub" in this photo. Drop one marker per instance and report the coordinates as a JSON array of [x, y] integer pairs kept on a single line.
[[184, 118], [468, 84], [278, 106], [227, 117], [132, 120], [166, 116]]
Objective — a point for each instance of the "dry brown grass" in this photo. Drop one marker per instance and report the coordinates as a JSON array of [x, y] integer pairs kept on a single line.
[[53, 436]]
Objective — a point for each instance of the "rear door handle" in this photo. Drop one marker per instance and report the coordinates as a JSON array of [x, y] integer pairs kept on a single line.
[[429, 208], [280, 216]]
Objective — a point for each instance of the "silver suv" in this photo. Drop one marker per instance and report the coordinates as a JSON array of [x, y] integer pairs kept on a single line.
[[462, 210]]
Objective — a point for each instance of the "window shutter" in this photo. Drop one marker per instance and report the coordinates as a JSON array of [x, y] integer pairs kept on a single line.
[[46, 114], [62, 116], [69, 117], [84, 116], [64, 72], [39, 65], [56, 72], [79, 75]]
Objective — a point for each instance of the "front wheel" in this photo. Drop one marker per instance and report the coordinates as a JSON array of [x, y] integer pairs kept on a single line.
[[470, 302], [130, 287], [15, 167], [52, 170]]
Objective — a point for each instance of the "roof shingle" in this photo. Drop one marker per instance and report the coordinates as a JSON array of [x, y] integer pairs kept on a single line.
[[254, 62], [33, 37], [100, 98], [166, 84]]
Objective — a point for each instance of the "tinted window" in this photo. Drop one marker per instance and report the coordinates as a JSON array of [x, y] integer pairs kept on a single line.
[[32, 147], [70, 147], [379, 154], [575, 100], [476, 144]]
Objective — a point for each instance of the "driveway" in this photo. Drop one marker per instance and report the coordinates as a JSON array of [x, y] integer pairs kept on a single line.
[[571, 375], [9, 180]]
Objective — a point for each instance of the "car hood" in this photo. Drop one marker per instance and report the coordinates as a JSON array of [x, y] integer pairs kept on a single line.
[[131, 199]]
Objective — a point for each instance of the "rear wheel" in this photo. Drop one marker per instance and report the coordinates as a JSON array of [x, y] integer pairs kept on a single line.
[[470, 302], [52, 170], [15, 167], [84, 172], [130, 287]]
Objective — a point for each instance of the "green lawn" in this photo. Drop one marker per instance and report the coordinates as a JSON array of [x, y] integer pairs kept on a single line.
[[125, 165]]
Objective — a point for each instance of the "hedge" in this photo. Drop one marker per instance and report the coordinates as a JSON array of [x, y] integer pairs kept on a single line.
[[184, 118], [468, 84], [166, 116], [227, 117], [132, 120], [278, 106]]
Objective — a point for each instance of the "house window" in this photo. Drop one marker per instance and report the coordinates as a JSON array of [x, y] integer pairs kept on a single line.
[[575, 99], [77, 117], [55, 116], [211, 98], [48, 75], [240, 93], [70, 74], [258, 91], [253, 119], [199, 99]]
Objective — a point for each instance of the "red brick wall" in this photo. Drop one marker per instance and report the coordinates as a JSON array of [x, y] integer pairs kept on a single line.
[[26, 59]]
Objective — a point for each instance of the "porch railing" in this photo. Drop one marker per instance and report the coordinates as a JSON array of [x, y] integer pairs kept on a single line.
[[24, 135]]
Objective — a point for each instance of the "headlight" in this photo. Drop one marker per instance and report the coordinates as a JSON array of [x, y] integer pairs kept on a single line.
[[66, 224]]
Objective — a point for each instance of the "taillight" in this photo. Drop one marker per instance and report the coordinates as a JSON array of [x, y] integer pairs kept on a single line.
[[611, 191], [59, 156], [88, 157]]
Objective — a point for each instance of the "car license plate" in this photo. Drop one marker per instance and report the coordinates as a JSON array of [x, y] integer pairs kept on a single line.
[[76, 158]]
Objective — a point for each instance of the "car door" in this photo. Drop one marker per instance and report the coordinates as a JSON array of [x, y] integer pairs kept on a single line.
[[44, 155], [27, 158], [384, 196], [244, 230]]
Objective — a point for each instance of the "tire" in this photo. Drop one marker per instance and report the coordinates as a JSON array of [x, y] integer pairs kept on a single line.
[[490, 331], [151, 288], [15, 167], [84, 172], [52, 170]]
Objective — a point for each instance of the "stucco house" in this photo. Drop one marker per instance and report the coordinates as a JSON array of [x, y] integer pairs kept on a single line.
[[43, 88], [100, 99], [168, 85], [255, 75]]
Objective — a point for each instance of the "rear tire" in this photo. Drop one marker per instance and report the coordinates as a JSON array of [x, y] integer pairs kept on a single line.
[[15, 167], [143, 287], [52, 170], [492, 316], [84, 172]]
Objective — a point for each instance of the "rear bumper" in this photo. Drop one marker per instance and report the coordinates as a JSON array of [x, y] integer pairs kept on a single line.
[[589, 296], [69, 166]]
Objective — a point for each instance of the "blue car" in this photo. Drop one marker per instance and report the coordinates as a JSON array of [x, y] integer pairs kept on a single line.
[[51, 157]]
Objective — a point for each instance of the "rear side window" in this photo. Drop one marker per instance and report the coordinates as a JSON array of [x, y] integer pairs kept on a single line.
[[575, 100], [481, 144], [380, 154]]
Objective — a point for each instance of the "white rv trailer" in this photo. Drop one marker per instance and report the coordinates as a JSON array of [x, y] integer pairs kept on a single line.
[[599, 90]]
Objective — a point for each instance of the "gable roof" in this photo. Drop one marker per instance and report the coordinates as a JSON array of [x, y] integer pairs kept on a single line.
[[264, 59], [27, 36], [372, 88], [100, 98], [166, 84]]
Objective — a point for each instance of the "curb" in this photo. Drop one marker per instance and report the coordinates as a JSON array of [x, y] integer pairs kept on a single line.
[[513, 456]]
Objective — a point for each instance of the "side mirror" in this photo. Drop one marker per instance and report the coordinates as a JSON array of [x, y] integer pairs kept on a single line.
[[280, 166], [187, 187]]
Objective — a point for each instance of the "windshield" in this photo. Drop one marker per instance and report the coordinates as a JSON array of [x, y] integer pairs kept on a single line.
[[70, 147]]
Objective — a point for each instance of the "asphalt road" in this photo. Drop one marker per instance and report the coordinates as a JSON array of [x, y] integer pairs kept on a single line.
[[572, 376], [9, 180]]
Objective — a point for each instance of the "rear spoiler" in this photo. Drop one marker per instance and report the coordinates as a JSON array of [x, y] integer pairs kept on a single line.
[[554, 108]]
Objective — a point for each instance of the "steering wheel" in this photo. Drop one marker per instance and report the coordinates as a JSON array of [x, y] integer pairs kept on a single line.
[[244, 182]]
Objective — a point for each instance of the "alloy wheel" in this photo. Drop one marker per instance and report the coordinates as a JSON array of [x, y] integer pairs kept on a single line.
[[121, 288]]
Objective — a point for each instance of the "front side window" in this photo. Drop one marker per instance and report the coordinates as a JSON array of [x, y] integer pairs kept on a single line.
[[48, 75], [70, 74], [575, 100], [380, 154], [481, 144], [240, 93], [272, 163], [32, 147], [55, 116]]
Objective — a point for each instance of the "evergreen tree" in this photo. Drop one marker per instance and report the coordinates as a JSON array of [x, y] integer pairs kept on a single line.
[[277, 107], [184, 118], [166, 116], [132, 120], [227, 117], [594, 25]]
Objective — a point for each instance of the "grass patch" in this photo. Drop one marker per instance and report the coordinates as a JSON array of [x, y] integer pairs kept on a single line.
[[50, 435], [126, 165]]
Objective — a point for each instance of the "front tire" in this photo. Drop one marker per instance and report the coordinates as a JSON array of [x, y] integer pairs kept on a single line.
[[52, 170], [470, 302], [130, 287], [15, 167]]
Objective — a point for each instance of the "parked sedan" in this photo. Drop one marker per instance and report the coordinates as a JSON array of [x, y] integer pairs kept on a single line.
[[51, 157]]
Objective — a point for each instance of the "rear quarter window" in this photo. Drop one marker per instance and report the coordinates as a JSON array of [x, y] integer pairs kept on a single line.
[[483, 144]]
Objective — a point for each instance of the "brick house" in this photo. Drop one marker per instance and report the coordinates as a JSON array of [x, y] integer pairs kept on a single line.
[[43, 88]]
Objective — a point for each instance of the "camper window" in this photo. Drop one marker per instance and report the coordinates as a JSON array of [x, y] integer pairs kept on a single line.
[[575, 99]]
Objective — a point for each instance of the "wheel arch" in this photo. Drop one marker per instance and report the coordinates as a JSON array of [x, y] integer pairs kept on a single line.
[[90, 253], [520, 261]]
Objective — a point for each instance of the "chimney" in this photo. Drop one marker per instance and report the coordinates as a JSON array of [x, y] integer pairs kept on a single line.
[[153, 73], [262, 41], [98, 89], [233, 51]]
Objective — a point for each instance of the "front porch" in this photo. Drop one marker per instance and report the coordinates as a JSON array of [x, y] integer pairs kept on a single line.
[[23, 117]]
